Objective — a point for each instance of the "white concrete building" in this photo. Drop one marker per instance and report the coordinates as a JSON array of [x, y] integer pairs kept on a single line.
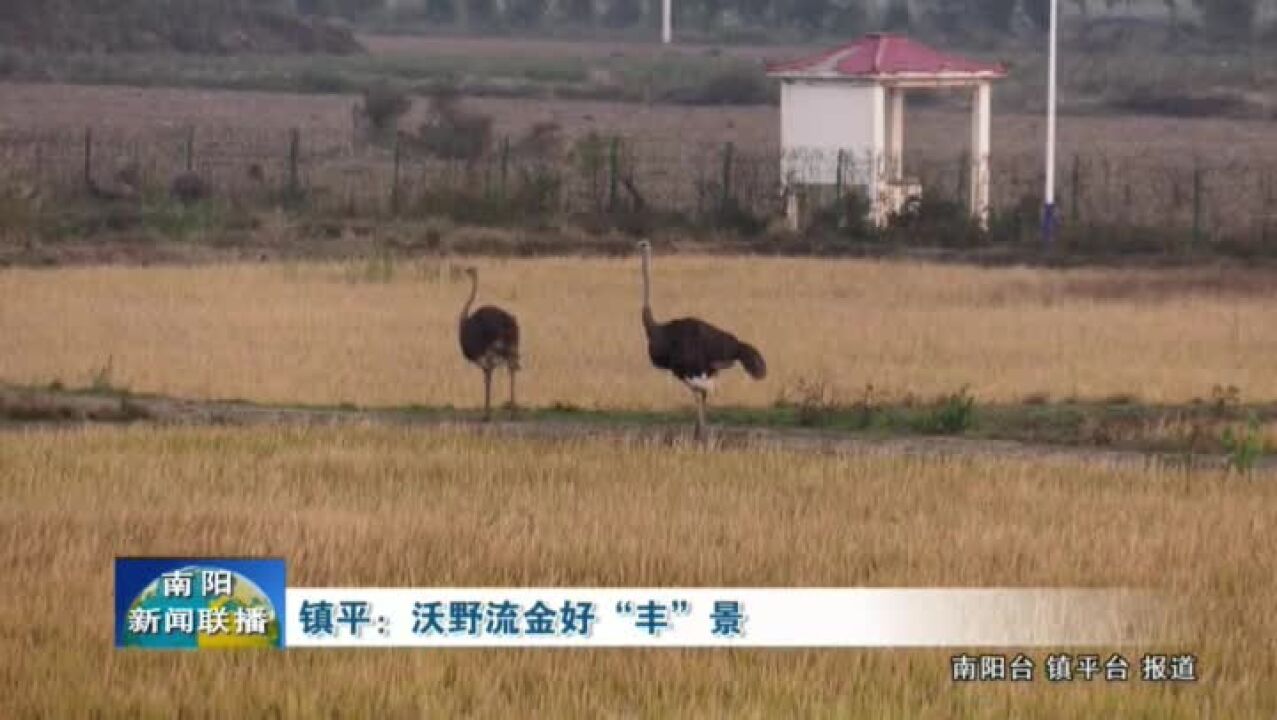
[[842, 119]]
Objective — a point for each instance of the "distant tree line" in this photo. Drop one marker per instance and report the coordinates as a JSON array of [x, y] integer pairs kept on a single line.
[[201, 24], [1225, 18], [157, 25]]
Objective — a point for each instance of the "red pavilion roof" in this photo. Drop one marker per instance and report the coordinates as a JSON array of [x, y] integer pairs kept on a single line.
[[885, 55]]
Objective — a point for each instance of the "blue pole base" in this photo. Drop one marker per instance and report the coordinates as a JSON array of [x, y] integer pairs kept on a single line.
[[1048, 223]]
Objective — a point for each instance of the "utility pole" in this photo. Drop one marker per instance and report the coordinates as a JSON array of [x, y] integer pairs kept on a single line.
[[1048, 210]]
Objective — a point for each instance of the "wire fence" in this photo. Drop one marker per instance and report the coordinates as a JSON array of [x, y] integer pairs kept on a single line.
[[1233, 199]]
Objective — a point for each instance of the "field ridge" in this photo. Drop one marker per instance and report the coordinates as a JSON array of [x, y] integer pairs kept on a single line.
[[24, 407]]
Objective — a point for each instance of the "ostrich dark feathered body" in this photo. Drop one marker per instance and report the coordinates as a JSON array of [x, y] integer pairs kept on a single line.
[[489, 339], [693, 350]]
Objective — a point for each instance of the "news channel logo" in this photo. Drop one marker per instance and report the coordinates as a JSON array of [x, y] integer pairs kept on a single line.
[[199, 603]]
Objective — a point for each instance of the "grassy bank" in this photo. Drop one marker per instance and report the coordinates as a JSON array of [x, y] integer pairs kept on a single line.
[[1242, 434]]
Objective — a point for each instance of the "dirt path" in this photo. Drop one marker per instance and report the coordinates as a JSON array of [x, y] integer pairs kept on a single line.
[[23, 408]]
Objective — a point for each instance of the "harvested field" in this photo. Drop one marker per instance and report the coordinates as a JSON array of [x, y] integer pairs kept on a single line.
[[70, 107], [448, 509]]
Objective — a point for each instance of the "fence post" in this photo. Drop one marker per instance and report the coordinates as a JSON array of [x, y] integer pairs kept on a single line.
[[1108, 190], [190, 148], [1266, 218], [39, 160], [1075, 202], [728, 152], [838, 177], [614, 172], [1197, 201], [1258, 227], [88, 157], [505, 164], [700, 190], [294, 151], [394, 188]]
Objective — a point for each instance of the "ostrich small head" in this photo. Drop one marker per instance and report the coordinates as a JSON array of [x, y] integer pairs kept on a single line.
[[645, 253], [471, 272]]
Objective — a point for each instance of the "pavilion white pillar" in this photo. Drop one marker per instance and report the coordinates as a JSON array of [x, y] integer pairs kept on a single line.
[[896, 134], [980, 112], [878, 156], [667, 32]]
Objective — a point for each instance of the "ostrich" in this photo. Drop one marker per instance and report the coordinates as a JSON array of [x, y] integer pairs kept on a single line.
[[489, 339], [692, 349]]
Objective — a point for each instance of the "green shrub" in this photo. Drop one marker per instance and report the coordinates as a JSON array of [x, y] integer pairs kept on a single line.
[[847, 216], [735, 85], [953, 415], [866, 410], [590, 156], [180, 221], [1244, 446], [451, 132], [321, 81], [537, 193], [102, 379], [11, 63], [732, 215], [812, 401], [1228, 18], [383, 106], [17, 213]]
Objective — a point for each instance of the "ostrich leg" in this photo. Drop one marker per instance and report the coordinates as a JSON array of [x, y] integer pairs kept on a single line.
[[700, 414], [512, 403], [487, 394]]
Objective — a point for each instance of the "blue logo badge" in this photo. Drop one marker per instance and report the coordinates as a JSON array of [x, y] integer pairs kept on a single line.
[[199, 603]]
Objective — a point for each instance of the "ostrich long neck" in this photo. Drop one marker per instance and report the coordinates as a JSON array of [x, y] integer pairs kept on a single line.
[[474, 292], [649, 323]]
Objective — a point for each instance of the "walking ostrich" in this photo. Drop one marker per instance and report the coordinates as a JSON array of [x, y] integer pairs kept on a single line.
[[489, 339], [692, 349]]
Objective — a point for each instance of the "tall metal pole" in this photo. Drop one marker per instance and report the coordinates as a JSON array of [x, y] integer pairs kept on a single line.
[[1048, 211], [667, 33]]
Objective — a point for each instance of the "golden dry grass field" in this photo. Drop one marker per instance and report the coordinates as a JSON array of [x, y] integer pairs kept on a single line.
[[398, 507], [345, 333]]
